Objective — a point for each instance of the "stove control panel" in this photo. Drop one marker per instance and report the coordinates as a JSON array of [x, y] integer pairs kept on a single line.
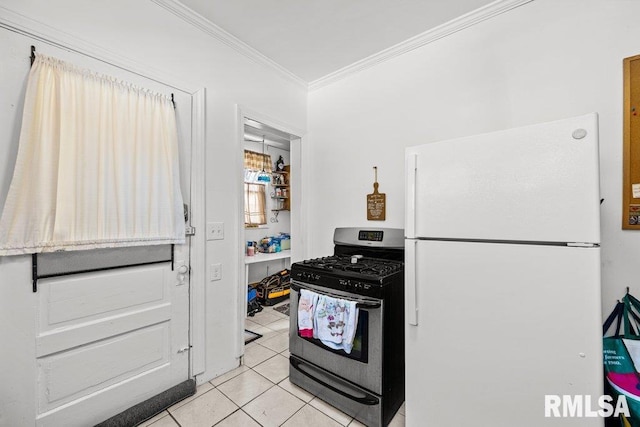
[[371, 235], [307, 276], [351, 285], [354, 284]]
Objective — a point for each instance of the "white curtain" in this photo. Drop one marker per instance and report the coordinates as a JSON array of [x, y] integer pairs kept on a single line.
[[255, 201], [97, 165]]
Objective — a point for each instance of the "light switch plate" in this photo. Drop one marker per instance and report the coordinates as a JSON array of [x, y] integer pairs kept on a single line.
[[216, 272], [215, 230]]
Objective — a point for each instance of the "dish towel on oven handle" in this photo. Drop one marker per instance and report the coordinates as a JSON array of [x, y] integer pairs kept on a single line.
[[306, 307], [336, 321]]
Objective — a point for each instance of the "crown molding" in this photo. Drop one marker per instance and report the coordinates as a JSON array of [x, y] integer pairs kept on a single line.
[[472, 18], [208, 27], [23, 24]]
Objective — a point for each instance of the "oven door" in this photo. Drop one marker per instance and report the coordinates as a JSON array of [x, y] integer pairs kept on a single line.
[[363, 366]]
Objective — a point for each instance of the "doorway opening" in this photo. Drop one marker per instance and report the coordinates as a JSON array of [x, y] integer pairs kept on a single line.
[[270, 205]]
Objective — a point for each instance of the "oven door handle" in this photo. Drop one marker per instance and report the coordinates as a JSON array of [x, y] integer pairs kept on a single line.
[[366, 399], [360, 303]]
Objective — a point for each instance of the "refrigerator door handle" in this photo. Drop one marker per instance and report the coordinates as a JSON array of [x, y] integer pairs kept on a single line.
[[410, 215], [411, 283]]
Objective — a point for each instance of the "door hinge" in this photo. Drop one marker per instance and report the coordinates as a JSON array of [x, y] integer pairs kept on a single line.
[[189, 231]]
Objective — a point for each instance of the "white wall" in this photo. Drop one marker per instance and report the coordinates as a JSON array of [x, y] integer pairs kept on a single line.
[[146, 33], [546, 60]]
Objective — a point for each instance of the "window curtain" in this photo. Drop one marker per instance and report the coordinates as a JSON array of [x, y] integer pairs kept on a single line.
[[254, 204], [97, 165], [257, 161]]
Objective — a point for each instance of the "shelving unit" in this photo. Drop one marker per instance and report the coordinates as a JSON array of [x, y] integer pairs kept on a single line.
[[284, 256], [282, 193]]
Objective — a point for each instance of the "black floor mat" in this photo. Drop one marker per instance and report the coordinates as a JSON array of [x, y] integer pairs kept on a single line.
[[250, 336], [151, 407], [284, 308]]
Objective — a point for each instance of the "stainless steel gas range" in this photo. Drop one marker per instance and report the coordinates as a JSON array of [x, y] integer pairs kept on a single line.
[[366, 268]]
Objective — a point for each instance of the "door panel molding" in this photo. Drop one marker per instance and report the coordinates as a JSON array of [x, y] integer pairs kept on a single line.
[[81, 371], [49, 343], [84, 411], [87, 297]]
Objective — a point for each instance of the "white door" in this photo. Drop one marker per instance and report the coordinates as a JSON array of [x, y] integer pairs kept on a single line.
[[104, 341], [108, 340], [500, 326], [534, 183]]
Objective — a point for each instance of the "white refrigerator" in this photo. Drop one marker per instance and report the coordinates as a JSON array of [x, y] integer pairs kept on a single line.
[[502, 277]]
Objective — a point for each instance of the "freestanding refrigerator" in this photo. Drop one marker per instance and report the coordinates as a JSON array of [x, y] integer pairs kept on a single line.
[[502, 297]]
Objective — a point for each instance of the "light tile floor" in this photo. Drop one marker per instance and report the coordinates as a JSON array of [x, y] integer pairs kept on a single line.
[[259, 392]]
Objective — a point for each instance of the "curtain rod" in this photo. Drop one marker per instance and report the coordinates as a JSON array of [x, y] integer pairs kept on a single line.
[[271, 143], [33, 58]]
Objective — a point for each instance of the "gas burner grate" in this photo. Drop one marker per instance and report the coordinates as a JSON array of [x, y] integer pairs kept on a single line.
[[364, 266]]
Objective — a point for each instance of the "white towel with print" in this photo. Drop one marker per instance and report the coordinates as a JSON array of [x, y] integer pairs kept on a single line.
[[336, 321], [306, 307]]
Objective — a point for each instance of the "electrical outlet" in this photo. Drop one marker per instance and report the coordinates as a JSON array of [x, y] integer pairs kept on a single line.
[[216, 272], [215, 230]]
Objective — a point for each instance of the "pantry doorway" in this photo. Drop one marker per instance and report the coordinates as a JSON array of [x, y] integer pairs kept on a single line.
[[270, 205]]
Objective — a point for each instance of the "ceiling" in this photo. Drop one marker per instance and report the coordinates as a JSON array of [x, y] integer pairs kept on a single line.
[[312, 39]]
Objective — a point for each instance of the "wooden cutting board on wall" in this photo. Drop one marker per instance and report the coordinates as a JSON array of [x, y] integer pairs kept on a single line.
[[376, 202]]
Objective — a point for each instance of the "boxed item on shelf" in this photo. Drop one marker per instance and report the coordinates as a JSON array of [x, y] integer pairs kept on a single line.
[[285, 241]]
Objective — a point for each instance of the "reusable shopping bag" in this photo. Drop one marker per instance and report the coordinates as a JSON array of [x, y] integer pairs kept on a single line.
[[621, 357]]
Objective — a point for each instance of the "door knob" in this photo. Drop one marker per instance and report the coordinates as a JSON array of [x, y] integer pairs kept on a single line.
[[182, 272]]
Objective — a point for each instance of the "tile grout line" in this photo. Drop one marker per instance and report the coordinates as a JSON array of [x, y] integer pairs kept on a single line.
[[252, 399], [350, 420], [249, 415], [172, 417], [239, 409], [275, 384], [293, 415]]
